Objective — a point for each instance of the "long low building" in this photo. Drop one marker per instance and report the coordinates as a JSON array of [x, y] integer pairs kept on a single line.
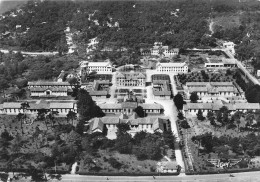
[[129, 107], [172, 67], [213, 89], [222, 64], [48, 91], [99, 89], [49, 84], [161, 89], [193, 108], [14, 108], [148, 124]]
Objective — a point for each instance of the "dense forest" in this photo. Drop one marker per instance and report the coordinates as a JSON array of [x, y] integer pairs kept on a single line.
[[131, 24]]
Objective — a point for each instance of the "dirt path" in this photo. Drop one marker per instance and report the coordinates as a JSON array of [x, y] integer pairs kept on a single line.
[[211, 26]]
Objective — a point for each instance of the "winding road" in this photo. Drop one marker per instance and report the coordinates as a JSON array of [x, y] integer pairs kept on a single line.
[[5, 51]]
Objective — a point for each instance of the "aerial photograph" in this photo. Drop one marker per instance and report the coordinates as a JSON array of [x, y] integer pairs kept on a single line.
[[130, 91]]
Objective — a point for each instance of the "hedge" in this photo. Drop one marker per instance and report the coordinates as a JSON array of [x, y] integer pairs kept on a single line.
[[49, 171], [128, 174], [222, 171]]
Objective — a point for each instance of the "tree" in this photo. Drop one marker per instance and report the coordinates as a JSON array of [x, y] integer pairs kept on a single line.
[[19, 56], [210, 114], [140, 111], [178, 101], [3, 84], [41, 116], [16, 144], [169, 139], [73, 81], [184, 124], [5, 142], [194, 97], [150, 147], [122, 128], [123, 143], [71, 116], [22, 116], [114, 163], [21, 83], [87, 108], [139, 136], [200, 115], [80, 127], [180, 115], [237, 116], [51, 116], [253, 94], [62, 47]]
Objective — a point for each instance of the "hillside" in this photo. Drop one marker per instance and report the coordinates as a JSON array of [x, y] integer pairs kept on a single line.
[[6, 5], [125, 23], [130, 24]]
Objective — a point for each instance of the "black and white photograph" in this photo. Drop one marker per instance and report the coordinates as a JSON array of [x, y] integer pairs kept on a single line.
[[130, 90]]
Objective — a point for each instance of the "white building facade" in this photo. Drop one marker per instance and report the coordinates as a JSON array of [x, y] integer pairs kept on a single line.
[[99, 67], [172, 67]]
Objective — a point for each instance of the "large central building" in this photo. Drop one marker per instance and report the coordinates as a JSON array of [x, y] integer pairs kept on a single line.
[[131, 79]]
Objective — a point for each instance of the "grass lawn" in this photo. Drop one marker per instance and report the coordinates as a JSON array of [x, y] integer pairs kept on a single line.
[[199, 160], [129, 163], [201, 127]]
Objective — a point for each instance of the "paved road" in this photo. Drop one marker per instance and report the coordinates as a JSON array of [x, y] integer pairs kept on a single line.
[[238, 177], [5, 51], [240, 65], [170, 111]]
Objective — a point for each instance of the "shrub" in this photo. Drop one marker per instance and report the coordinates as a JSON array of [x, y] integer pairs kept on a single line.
[[114, 163], [152, 168]]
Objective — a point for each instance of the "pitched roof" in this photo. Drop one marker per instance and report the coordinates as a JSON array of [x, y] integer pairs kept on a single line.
[[158, 124], [1, 106], [95, 89], [123, 116], [216, 106], [120, 75], [197, 89], [97, 124], [229, 61], [110, 106], [110, 120], [171, 64], [247, 106], [11, 105], [95, 92], [40, 105], [61, 105], [129, 105], [164, 88], [53, 89], [44, 83], [133, 121], [101, 64], [151, 106], [190, 84], [131, 76]]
